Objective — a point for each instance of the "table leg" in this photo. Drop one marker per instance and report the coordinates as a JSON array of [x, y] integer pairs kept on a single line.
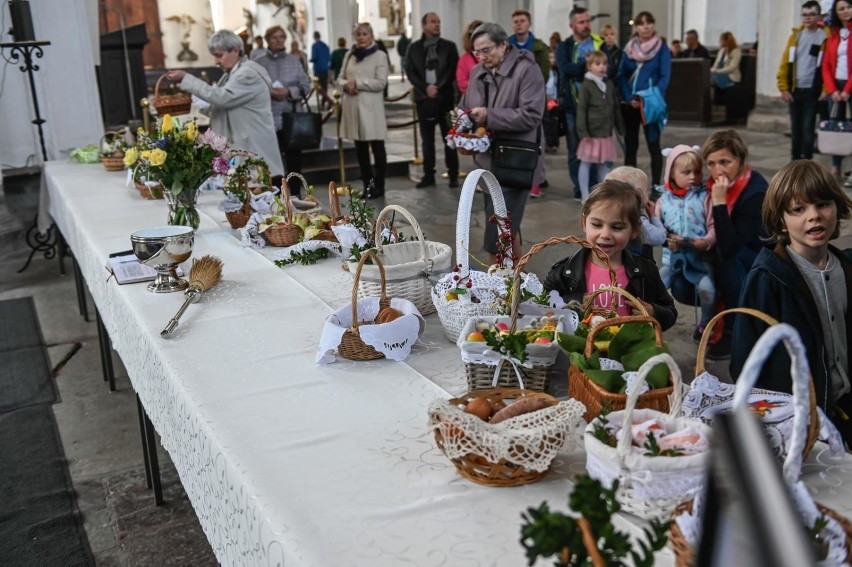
[[80, 285], [38, 242], [106, 352], [153, 460], [141, 412]]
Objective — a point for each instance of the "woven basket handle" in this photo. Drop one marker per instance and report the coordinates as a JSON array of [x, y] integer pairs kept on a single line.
[[288, 206], [298, 176], [590, 338], [383, 298], [802, 388], [157, 85], [334, 202], [409, 217], [536, 248], [471, 180], [625, 436], [589, 307], [708, 331], [108, 137]]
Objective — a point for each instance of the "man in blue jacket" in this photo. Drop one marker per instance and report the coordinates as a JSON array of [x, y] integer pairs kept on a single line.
[[321, 58], [571, 62]]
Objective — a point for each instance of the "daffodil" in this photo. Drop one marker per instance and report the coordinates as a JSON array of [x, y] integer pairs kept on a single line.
[[130, 157], [158, 157], [168, 123], [191, 131]]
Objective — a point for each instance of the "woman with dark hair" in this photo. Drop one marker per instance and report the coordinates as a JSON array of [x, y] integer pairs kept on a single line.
[[506, 96], [646, 62], [736, 195], [837, 67], [363, 79], [726, 69]]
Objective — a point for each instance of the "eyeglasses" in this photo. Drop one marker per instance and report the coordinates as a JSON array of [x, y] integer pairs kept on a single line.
[[485, 51]]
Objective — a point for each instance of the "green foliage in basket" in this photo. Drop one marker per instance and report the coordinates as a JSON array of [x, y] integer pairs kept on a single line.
[[632, 345], [252, 169], [511, 344], [653, 450], [86, 154], [553, 534]]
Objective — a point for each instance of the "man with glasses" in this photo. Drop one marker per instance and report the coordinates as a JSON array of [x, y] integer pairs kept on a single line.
[[431, 66], [800, 80], [571, 62]]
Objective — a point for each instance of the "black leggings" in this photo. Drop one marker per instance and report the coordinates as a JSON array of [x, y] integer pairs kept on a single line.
[[380, 163], [632, 122]]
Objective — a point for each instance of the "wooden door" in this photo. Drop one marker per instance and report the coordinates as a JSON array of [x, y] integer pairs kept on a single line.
[[133, 12]]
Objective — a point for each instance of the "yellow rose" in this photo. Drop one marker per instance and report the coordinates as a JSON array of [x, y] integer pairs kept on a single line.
[[167, 124], [130, 157], [158, 157], [145, 154], [191, 131]]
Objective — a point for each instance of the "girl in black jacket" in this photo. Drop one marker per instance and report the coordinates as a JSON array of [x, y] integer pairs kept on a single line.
[[610, 219]]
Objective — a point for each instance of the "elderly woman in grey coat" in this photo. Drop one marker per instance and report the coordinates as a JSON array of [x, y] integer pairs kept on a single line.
[[362, 79], [240, 104], [514, 86]]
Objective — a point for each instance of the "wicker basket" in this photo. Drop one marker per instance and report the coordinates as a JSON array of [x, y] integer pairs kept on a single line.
[[454, 313], [813, 415], [148, 192], [174, 104], [351, 346], [285, 233], [113, 161], [240, 217], [595, 397], [407, 265], [477, 468], [683, 550], [649, 486], [463, 131]]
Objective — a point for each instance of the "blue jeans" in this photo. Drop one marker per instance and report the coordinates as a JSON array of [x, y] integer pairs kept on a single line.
[[722, 80], [803, 112]]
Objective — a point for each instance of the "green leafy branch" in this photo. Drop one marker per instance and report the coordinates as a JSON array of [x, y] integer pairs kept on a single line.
[[304, 257], [511, 344], [653, 450]]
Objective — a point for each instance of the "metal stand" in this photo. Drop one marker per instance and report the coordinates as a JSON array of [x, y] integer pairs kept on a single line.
[[23, 53], [149, 451]]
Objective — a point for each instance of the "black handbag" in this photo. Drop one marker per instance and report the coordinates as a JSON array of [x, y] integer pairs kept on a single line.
[[513, 162], [300, 130]]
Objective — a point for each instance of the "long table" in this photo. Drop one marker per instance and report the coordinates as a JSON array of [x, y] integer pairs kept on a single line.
[[291, 463]]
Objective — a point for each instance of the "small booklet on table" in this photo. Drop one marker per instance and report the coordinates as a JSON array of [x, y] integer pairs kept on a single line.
[[127, 268]]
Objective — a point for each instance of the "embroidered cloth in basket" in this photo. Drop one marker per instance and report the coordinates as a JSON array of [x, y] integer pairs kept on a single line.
[[649, 486], [708, 396], [688, 524], [408, 265], [487, 289]]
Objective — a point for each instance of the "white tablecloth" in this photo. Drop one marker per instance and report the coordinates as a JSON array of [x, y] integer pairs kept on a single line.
[[287, 462]]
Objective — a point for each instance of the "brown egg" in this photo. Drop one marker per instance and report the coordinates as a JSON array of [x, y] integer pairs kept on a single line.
[[480, 408]]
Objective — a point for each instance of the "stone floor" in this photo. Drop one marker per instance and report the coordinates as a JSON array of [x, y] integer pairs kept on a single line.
[[100, 429]]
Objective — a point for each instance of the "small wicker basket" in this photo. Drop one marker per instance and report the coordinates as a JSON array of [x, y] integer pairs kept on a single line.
[[148, 192], [703, 345], [594, 397], [475, 467], [285, 233], [240, 217], [351, 346], [113, 161], [174, 104]]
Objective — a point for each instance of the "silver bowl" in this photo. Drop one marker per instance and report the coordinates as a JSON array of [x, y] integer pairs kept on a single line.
[[163, 248]]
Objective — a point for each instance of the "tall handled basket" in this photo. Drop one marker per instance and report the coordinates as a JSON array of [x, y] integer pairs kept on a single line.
[[482, 298], [407, 264], [175, 103]]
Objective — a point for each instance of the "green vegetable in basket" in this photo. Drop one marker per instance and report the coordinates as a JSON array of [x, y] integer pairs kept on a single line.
[[631, 337], [594, 361], [609, 380], [570, 343], [578, 360], [86, 154], [658, 377]]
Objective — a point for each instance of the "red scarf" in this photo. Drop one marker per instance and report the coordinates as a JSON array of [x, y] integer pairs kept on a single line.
[[675, 191], [735, 190]]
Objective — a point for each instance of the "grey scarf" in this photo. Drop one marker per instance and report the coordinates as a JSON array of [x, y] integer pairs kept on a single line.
[[431, 45]]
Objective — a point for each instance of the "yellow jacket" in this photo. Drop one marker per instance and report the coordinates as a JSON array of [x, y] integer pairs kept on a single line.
[[787, 68]]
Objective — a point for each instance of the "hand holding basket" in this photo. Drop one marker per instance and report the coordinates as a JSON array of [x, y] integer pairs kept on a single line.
[[175, 103]]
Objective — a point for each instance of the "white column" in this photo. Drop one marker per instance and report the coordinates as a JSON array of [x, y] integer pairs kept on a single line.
[[777, 18]]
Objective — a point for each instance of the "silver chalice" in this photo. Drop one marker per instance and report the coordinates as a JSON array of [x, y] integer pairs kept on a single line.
[[163, 248]]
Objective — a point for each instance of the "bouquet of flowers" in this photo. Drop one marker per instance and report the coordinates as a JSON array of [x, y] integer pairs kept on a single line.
[[181, 159]]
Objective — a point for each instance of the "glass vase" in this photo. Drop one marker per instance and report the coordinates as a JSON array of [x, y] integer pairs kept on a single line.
[[182, 209]]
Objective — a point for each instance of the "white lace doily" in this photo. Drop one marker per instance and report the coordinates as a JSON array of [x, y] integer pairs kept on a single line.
[[531, 440], [393, 339], [462, 138]]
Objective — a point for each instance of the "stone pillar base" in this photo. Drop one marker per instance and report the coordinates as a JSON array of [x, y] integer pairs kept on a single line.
[[770, 114]]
